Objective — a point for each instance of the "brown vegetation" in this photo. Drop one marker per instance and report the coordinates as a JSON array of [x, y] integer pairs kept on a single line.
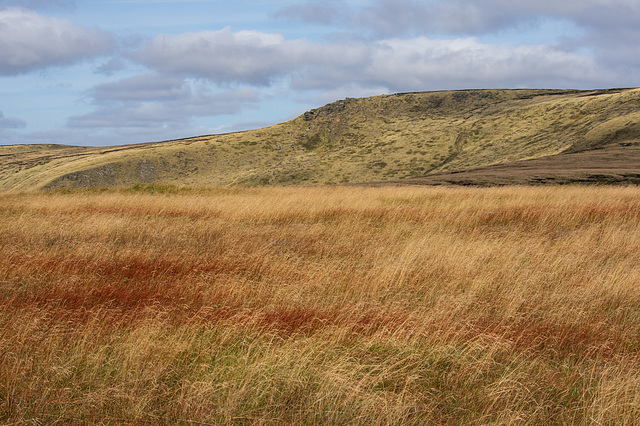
[[321, 305], [617, 164]]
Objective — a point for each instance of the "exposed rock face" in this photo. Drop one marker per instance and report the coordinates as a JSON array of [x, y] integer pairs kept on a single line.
[[146, 171], [108, 175], [332, 108], [105, 175]]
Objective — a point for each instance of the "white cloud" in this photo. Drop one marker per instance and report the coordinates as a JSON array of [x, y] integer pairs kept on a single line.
[[421, 62], [30, 41], [417, 63], [224, 56], [608, 29], [389, 18], [154, 100]]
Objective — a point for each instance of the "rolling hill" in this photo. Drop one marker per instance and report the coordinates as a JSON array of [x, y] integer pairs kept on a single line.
[[483, 137]]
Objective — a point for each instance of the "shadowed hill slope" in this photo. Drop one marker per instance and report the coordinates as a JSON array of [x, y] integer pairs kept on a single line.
[[387, 138], [615, 164]]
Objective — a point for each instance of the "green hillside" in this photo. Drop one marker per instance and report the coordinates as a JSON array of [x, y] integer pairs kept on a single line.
[[382, 138]]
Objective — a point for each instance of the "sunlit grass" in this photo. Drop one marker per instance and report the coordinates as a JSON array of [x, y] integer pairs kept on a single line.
[[321, 305]]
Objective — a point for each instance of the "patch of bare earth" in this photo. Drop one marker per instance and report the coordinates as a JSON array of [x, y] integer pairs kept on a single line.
[[619, 164]]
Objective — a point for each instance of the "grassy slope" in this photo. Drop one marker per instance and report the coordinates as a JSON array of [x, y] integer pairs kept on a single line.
[[380, 138]]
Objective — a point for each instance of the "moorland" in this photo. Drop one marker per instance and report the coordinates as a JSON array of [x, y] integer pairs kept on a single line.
[[326, 305], [467, 270]]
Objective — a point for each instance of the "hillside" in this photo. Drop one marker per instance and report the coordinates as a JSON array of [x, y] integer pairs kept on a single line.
[[378, 139], [615, 164]]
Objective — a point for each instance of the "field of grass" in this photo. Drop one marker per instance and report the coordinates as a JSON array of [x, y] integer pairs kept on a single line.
[[320, 305]]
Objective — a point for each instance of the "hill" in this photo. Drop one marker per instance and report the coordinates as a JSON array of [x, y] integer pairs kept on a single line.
[[408, 138]]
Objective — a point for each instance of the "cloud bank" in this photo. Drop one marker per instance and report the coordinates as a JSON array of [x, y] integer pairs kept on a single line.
[[155, 100], [30, 41], [253, 58]]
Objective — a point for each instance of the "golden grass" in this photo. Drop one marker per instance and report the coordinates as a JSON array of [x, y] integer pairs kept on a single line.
[[321, 305]]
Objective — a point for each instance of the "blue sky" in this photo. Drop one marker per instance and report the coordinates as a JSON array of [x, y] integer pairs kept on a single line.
[[107, 72]]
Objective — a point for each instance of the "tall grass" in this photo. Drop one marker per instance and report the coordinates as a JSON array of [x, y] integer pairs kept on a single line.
[[321, 306]]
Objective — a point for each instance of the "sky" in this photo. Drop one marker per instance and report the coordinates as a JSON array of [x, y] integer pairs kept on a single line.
[[111, 72]]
